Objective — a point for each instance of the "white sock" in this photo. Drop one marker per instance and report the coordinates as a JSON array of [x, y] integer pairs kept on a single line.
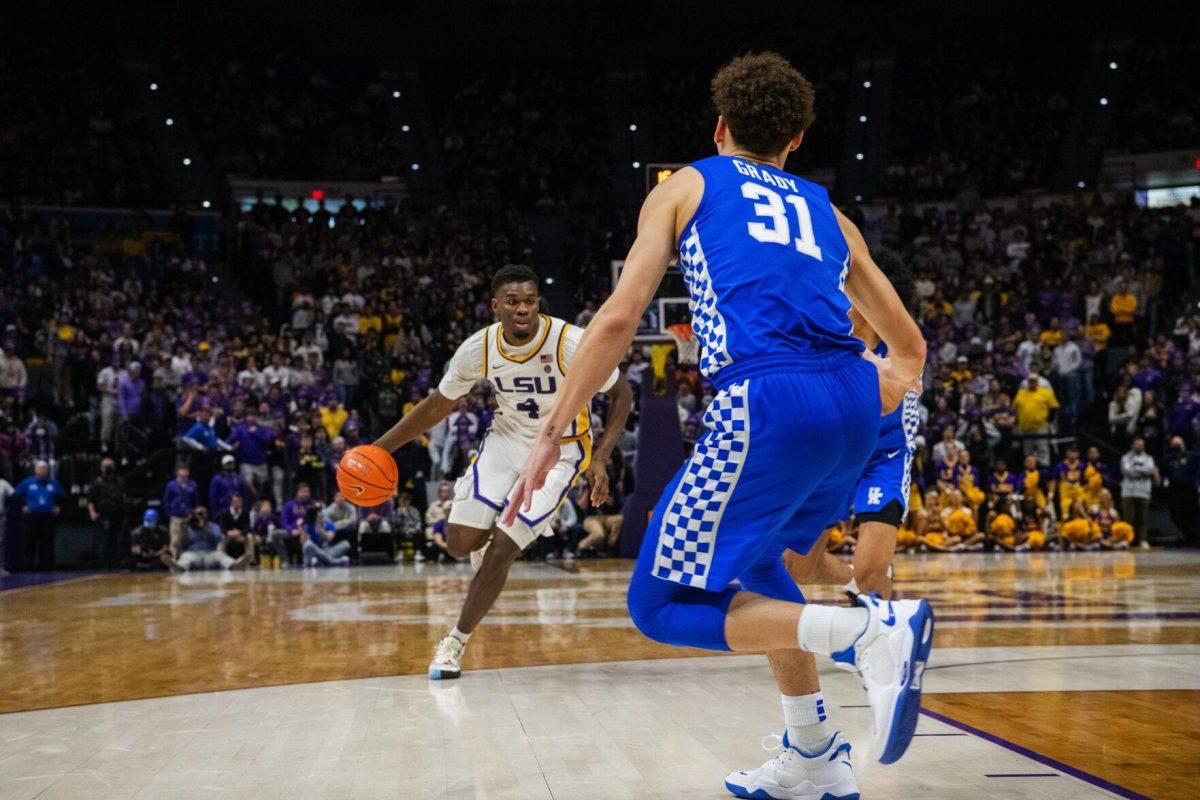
[[457, 634], [830, 629], [805, 718]]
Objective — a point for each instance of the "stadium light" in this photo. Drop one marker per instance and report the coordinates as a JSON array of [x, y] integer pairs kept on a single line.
[[862, 118], [858, 198], [170, 122], [1103, 101], [866, 84], [1112, 65], [405, 128], [549, 281], [632, 126], [1081, 184], [187, 162], [858, 156], [154, 87], [637, 165], [396, 94], [416, 166], [206, 204]]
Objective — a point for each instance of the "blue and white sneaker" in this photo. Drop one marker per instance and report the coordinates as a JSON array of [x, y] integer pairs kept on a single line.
[[795, 775], [890, 656], [447, 661]]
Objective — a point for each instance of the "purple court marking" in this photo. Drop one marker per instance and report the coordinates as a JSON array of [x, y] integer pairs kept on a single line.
[[1079, 774], [1059, 617], [1053, 658], [23, 580], [1021, 775]]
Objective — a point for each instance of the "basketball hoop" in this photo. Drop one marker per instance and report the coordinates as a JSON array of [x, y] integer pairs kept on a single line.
[[686, 346]]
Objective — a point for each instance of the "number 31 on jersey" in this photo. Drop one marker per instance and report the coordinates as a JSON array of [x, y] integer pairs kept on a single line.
[[770, 206]]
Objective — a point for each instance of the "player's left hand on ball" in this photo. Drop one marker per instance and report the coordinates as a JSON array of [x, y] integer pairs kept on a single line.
[[597, 478], [541, 459]]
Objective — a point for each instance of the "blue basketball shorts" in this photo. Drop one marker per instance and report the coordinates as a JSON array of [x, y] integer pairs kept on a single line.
[[885, 480], [784, 444]]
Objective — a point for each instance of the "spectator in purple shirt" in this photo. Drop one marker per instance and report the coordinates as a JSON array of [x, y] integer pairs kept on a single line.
[[297, 517], [130, 392], [179, 499], [226, 483], [252, 442]]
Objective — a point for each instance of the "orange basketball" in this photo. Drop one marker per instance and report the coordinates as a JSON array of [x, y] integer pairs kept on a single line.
[[367, 475]]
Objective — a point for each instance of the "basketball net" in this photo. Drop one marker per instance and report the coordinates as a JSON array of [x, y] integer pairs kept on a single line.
[[686, 347]]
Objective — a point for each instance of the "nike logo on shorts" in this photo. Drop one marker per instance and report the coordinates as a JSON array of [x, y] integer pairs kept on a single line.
[[893, 454]]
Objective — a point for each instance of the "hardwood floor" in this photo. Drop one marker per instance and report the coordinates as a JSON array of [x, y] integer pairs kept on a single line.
[[1127, 718]]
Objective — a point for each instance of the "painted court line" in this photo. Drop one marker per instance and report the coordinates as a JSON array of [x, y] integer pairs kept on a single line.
[[1079, 774]]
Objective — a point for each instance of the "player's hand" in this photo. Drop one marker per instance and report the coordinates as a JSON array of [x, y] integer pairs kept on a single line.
[[597, 478], [542, 457], [892, 385]]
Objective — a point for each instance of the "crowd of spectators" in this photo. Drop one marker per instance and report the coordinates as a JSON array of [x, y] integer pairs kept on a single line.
[[1046, 322], [973, 117], [71, 133], [290, 117], [533, 137]]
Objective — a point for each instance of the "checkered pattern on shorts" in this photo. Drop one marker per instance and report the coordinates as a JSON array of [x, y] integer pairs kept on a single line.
[[910, 421], [707, 322], [687, 538]]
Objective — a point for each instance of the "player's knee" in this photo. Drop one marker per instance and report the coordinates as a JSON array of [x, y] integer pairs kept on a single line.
[[649, 619], [460, 541], [647, 609]]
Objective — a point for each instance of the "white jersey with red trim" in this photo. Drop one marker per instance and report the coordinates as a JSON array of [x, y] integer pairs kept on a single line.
[[527, 379]]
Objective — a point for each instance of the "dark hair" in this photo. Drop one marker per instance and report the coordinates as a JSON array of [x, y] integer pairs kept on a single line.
[[764, 99], [513, 273], [896, 270]]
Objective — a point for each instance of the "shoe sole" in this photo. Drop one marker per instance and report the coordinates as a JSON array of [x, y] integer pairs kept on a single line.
[[908, 702], [443, 675], [763, 794]]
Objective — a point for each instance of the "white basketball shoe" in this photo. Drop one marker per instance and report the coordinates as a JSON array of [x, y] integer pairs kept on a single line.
[[794, 775], [447, 661], [890, 656]]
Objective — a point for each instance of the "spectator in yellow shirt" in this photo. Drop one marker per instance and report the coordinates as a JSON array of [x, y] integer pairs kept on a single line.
[[1124, 306], [333, 417], [1053, 335], [1098, 332], [1034, 404]]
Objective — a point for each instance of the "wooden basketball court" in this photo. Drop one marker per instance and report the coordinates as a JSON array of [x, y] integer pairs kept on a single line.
[[1054, 676]]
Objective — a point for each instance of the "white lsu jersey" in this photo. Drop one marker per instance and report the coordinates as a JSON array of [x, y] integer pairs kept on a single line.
[[526, 379]]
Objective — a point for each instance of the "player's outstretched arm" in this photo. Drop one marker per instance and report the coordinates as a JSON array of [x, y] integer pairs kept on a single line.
[[424, 415], [872, 294], [610, 332]]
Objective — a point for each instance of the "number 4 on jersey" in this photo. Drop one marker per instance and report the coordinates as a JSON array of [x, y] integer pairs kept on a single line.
[[530, 407], [779, 231]]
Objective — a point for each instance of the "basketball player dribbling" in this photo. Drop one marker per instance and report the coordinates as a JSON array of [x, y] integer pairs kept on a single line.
[[525, 356], [772, 269]]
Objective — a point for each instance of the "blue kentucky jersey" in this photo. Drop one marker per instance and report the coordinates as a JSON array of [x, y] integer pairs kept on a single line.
[[899, 428], [765, 264]]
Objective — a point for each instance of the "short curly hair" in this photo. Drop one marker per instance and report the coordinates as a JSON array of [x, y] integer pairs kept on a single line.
[[764, 99]]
